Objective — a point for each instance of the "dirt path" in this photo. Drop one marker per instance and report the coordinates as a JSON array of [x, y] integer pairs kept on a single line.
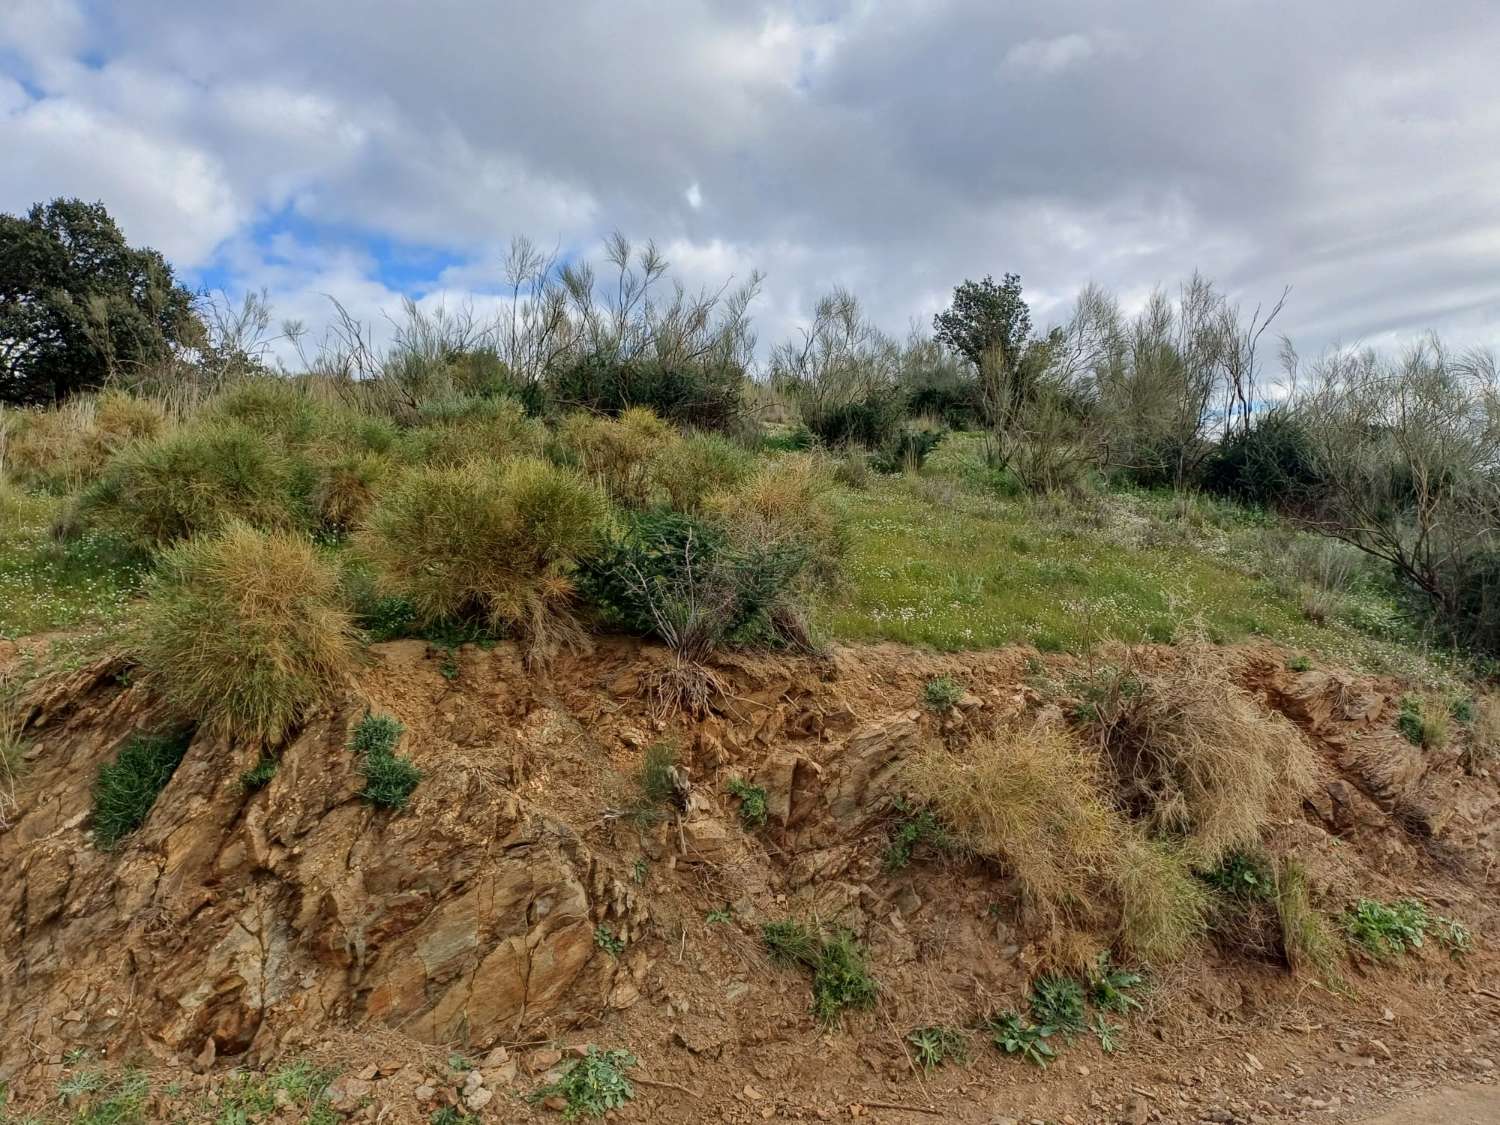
[[1468, 1105]]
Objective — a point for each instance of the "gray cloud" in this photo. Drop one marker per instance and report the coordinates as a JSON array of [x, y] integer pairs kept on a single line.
[[1349, 148]]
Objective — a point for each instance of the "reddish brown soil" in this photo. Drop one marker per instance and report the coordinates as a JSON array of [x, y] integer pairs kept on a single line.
[[241, 929]]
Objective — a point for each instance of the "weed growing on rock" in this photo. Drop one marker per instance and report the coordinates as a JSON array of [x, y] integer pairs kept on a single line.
[[1013, 1035], [127, 788], [917, 826], [933, 1046], [790, 943], [942, 693], [389, 780], [752, 800], [1421, 727], [592, 1086], [606, 940], [259, 775], [842, 978]]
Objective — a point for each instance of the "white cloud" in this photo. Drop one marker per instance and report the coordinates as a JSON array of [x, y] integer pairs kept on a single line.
[[694, 196]]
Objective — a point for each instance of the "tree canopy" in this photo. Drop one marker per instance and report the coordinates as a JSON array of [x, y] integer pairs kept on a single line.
[[78, 304]]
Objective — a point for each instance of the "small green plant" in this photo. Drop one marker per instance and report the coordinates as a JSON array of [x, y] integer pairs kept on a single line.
[[1108, 1034], [933, 1046], [1057, 1002], [1386, 930], [449, 667], [1453, 936], [1299, 664], [790, 943], [259, 775], [724, 917], [606, 940], [638, 871], [448, 1115], [1013, 1035], [1110, 987], [592, 1086], [127, 788], [390, 780], [917, 826], [942, 693], [842, 978], [1461, 710], [459, 1064], [752, 798], [656, 784], [99, 1101], [1242, 875], [1417, 726]]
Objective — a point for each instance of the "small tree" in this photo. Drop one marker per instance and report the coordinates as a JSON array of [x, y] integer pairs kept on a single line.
[[985, 317], [78, 305]]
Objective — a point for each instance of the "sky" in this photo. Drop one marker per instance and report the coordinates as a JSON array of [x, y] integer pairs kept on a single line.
[[375, 149]]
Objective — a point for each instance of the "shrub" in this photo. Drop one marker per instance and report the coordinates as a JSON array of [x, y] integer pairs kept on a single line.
[[916, 827], [933, 1046], [497, 543], [127, 788], [191, 482], [1242, 875], [346, 490], [707, 395], [61, 449], [907, 450], [873, 422], [752, 799], [592, 1086], [618, 453], [243, 631], [942, 693], [453, 431], [787, 504], [688, 471], [1271, 463]]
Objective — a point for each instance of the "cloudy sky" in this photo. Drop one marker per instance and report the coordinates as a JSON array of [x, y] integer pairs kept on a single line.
[[373, 148]]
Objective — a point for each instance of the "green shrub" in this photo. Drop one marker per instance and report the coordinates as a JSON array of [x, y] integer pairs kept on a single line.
[[1242, 875], [706, 395], [907, 451], [592, 1086], [942, 693], [496, 543], [752, 800], [873, 422], [127, 788], [916, 827], [686, 472], [618, 453], [457, 429], [1273, 463], [193, 481], [243, 632], [786, 504], [376, 734], [933, 1046]]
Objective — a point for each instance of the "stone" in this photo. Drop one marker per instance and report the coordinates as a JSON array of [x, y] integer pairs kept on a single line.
[[477, 1099]]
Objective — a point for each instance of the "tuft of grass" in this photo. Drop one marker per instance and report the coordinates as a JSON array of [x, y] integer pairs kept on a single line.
[[1299, 664], [127, 788], [917, 826], [1306, 938], [752, 799], [1387, 930], [841, 978], [243, 632], [259, 775], [1422, 726], [390, 779], [656, 781], [791, 943], [1057, 1001], [247, 1096], [1013, 1035], [592, 1086], [607, 940], [933, 1046], [942, 693]]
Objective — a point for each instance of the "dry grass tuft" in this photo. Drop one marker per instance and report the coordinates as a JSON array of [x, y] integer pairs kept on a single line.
[[242, 632], [62, 449], [1036, 800], [1195, 758], [618, 452], [786, 502]]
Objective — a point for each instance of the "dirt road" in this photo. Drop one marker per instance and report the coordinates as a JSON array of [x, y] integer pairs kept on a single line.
[[1468, 1105]]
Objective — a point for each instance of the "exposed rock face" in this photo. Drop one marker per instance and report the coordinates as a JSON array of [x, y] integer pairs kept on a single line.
[[239, 918]]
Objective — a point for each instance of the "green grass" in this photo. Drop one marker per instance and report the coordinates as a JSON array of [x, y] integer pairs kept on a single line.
[[390, 779], [127, 788], [933, 560], [46, 585]]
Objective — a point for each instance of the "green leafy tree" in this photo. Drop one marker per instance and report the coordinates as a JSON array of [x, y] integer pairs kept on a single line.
[[985, 317], [77, 304]]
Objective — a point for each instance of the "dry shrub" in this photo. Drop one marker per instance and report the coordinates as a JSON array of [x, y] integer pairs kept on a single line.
[[64, 448], [688, 471], [1195, 758], [242, 632], [1036, 801], [787, 502], [346, 489], [618, 452], [487, 541], [1484, 736]]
